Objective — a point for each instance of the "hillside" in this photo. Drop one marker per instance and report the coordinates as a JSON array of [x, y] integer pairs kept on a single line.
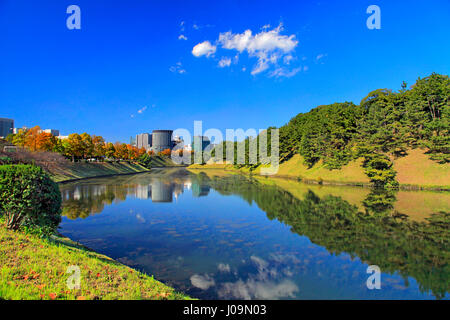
[[351, 173], [380, 141], [415, 171], [418, 170]]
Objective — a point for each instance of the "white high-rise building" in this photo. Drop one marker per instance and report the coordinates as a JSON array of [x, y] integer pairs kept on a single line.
[[144, 140]]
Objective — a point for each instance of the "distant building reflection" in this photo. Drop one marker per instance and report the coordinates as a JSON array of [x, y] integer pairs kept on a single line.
[[200, 190], [160, 190], [87, 199]]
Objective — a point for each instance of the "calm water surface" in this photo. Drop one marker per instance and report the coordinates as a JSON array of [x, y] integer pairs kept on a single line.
[[216, 236]]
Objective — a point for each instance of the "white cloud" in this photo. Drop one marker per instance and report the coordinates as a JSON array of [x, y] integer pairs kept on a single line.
[[204, 48], [177, 68], [224, 62], [202, 282], [282, 72], [265, 41], [140, 111], [270, 47], [321, 56], [182, 37], [287, 59]]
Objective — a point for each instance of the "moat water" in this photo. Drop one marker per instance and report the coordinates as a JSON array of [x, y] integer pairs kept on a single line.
[[218, 236]]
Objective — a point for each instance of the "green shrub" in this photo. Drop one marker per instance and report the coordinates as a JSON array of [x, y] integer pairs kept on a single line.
[[29, 198], [379, 169]]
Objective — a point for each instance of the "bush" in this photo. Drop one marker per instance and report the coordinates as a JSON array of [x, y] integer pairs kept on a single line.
[[29, 198], [379, 168]]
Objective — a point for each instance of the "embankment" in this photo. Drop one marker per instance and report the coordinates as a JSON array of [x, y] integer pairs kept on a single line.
[[414, 171], [78, 170]]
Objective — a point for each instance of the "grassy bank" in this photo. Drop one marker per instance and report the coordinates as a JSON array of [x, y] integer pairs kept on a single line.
[[414, 171], [79, 170], [162, 161], [34, 268]]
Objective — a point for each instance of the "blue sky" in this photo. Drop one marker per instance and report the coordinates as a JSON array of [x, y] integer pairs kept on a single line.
[[129, 56]]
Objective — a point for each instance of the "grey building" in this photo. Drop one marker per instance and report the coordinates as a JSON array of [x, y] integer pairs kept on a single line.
[[6, 127], [144, 140], [161, 140]]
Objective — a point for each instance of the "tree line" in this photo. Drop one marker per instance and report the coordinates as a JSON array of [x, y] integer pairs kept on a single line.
[[385, 125], [78, 146], [384, 122]]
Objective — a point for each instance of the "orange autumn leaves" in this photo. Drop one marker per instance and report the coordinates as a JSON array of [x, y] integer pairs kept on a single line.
[[35, 139], [75, 146]]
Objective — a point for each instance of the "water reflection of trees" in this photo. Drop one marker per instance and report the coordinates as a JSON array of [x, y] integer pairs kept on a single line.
[[83, 200], [86, 200], [378, 236]]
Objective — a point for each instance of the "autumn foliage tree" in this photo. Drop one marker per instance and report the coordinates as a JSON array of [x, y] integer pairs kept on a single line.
[[78, 146], [45, 141], [166, 152]]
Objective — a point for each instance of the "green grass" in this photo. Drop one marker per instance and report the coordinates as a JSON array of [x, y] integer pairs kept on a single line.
[[414, 171], [161, 161], [79, 170], [352, 173], [34, 268]]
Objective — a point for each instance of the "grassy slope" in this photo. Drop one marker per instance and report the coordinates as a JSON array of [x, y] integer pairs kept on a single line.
[[415, 169], [77, 170], [33, 268], [159, 161], [350, 173]]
